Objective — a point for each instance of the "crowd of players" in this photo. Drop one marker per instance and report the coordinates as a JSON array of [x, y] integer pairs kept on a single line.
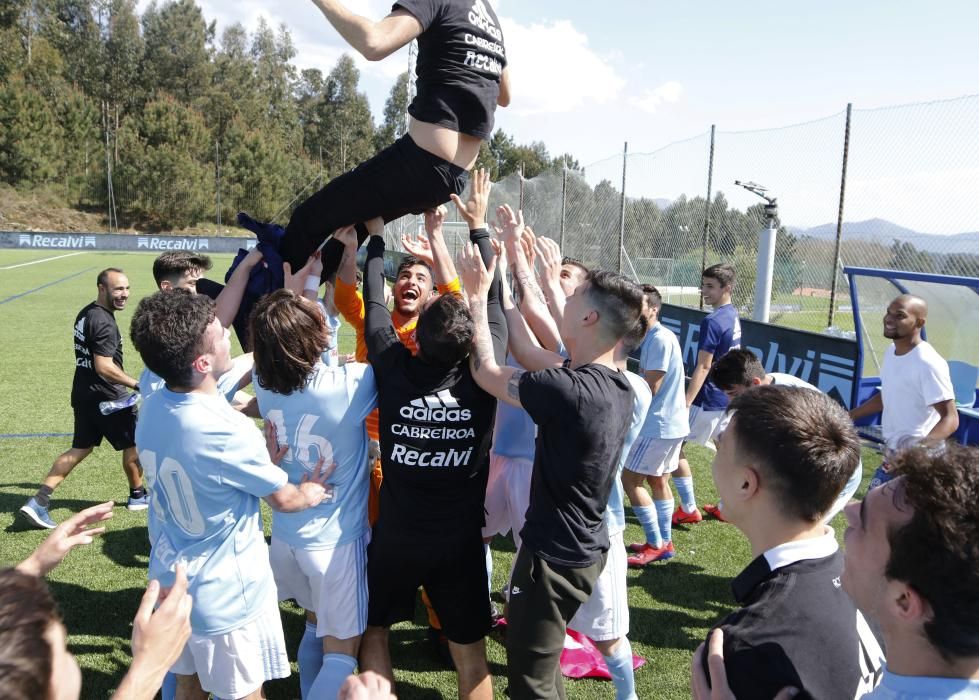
[[485, 403], [503, 405]]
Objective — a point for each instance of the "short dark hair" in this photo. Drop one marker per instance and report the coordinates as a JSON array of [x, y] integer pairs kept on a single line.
[[722, 272], [174, 264], [169, 330], [574, 262], [618, 299], [633, 339], [653, 298], [411, 261], [27, 611], [802, 441], [445, 331], [289, 335], [103, 279], [737, 368], [936, 551]]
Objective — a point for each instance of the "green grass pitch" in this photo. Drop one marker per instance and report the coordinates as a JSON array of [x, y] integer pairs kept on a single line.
[[672, 605]]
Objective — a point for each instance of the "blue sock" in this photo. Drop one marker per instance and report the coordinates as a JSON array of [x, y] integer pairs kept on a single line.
[[647, 518], [310, 659], [664, 513], [620, 667], [336, 668], [489, 567], [169, 689], [684, 487]]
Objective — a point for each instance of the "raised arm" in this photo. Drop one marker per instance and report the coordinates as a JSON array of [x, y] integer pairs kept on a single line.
[[494, 378], [432, 248], [372, 40], [378, 331], [228, 301], [522, 343], [549, 254]]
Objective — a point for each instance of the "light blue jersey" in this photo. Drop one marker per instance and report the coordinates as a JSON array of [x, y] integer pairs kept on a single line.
[[615, 511], [326, 419], [667, 416], [150, 382], [207, 467], [331, 355], [895, 687], [515, 433]]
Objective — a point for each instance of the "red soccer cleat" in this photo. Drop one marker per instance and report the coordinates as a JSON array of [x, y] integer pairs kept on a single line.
[[714, 512], [650, 554], [682, 517]]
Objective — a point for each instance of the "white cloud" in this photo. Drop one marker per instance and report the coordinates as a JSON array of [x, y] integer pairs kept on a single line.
[[651, 100], [553, 70]]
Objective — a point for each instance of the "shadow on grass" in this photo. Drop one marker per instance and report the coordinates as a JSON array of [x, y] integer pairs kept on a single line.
[[128, 548], [11, 503]]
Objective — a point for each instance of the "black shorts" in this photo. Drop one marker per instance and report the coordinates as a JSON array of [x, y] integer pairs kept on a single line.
[[402, 179], [91, 426], [452, 571]]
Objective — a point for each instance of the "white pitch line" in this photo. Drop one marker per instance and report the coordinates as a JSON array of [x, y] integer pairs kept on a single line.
[[35, 262]]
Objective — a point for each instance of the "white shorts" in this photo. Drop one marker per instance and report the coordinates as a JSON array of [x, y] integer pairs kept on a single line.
[[605, 615], [704, 425], [332, 583], [237, 663], [507, 496], [654, 456]]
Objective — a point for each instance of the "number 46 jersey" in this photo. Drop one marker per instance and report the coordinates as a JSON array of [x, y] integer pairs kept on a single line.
[[324, 420], [207, 467]]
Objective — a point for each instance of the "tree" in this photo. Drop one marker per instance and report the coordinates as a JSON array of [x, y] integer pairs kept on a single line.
[[904, 256], [395, 109], [275, 77], [346, 127], [177, 58], [30, 136]]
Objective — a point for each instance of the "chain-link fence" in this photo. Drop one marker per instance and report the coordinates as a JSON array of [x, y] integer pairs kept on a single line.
[[907, 177]]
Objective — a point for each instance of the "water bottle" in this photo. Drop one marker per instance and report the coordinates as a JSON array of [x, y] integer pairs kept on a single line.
[[108, 407]]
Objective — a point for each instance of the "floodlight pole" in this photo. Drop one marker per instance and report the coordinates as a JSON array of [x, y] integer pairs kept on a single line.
[[766, 253]]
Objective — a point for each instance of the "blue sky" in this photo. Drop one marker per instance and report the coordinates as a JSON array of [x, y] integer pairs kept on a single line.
[[589, 75]]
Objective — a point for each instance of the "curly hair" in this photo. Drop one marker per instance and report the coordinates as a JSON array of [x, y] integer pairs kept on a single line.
[[804, 442], [27, 611], [289, 335], [169, 332], [937, 551]]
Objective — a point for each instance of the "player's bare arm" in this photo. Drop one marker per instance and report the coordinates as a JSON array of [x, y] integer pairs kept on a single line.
[[110, 372], [501, 382], [372, 40], [948, 421]]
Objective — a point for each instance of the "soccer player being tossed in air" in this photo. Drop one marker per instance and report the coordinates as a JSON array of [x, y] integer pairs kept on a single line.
[[461, 78], [208, 466], [319, 555]]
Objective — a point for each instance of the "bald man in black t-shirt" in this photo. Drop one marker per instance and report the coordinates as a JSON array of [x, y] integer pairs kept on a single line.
[[461, 78]]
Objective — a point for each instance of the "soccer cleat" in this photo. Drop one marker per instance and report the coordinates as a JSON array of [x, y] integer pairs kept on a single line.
[[714, 512], [682, 517], [650, 554], [37, 515], [637, 547], [141, 503]]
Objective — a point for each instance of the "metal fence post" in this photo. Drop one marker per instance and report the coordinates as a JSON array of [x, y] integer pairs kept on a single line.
[[217, 182], [839, 220], [710, 183], [564, 203], [520, 173], [625, 158]]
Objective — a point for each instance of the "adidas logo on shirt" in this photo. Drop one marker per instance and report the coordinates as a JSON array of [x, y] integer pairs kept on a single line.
[[80, 330], [437, 408], [480, 17]]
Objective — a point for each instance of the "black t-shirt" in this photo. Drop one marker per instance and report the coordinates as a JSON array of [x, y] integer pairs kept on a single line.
[[798, 628], [582, 416], [96, 333], [460, 61], [435, 424]]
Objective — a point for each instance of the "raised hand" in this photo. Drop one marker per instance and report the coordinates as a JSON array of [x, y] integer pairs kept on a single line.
[[296, 281], [476, 277], [510, 224], [73, 532], [419, 247], [474, 211]]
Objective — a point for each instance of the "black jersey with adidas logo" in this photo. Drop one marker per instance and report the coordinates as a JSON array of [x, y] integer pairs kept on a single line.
[[436, 424], [96, 333]]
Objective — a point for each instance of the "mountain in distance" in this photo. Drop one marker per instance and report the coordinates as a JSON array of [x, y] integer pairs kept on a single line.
[[886, 232]]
